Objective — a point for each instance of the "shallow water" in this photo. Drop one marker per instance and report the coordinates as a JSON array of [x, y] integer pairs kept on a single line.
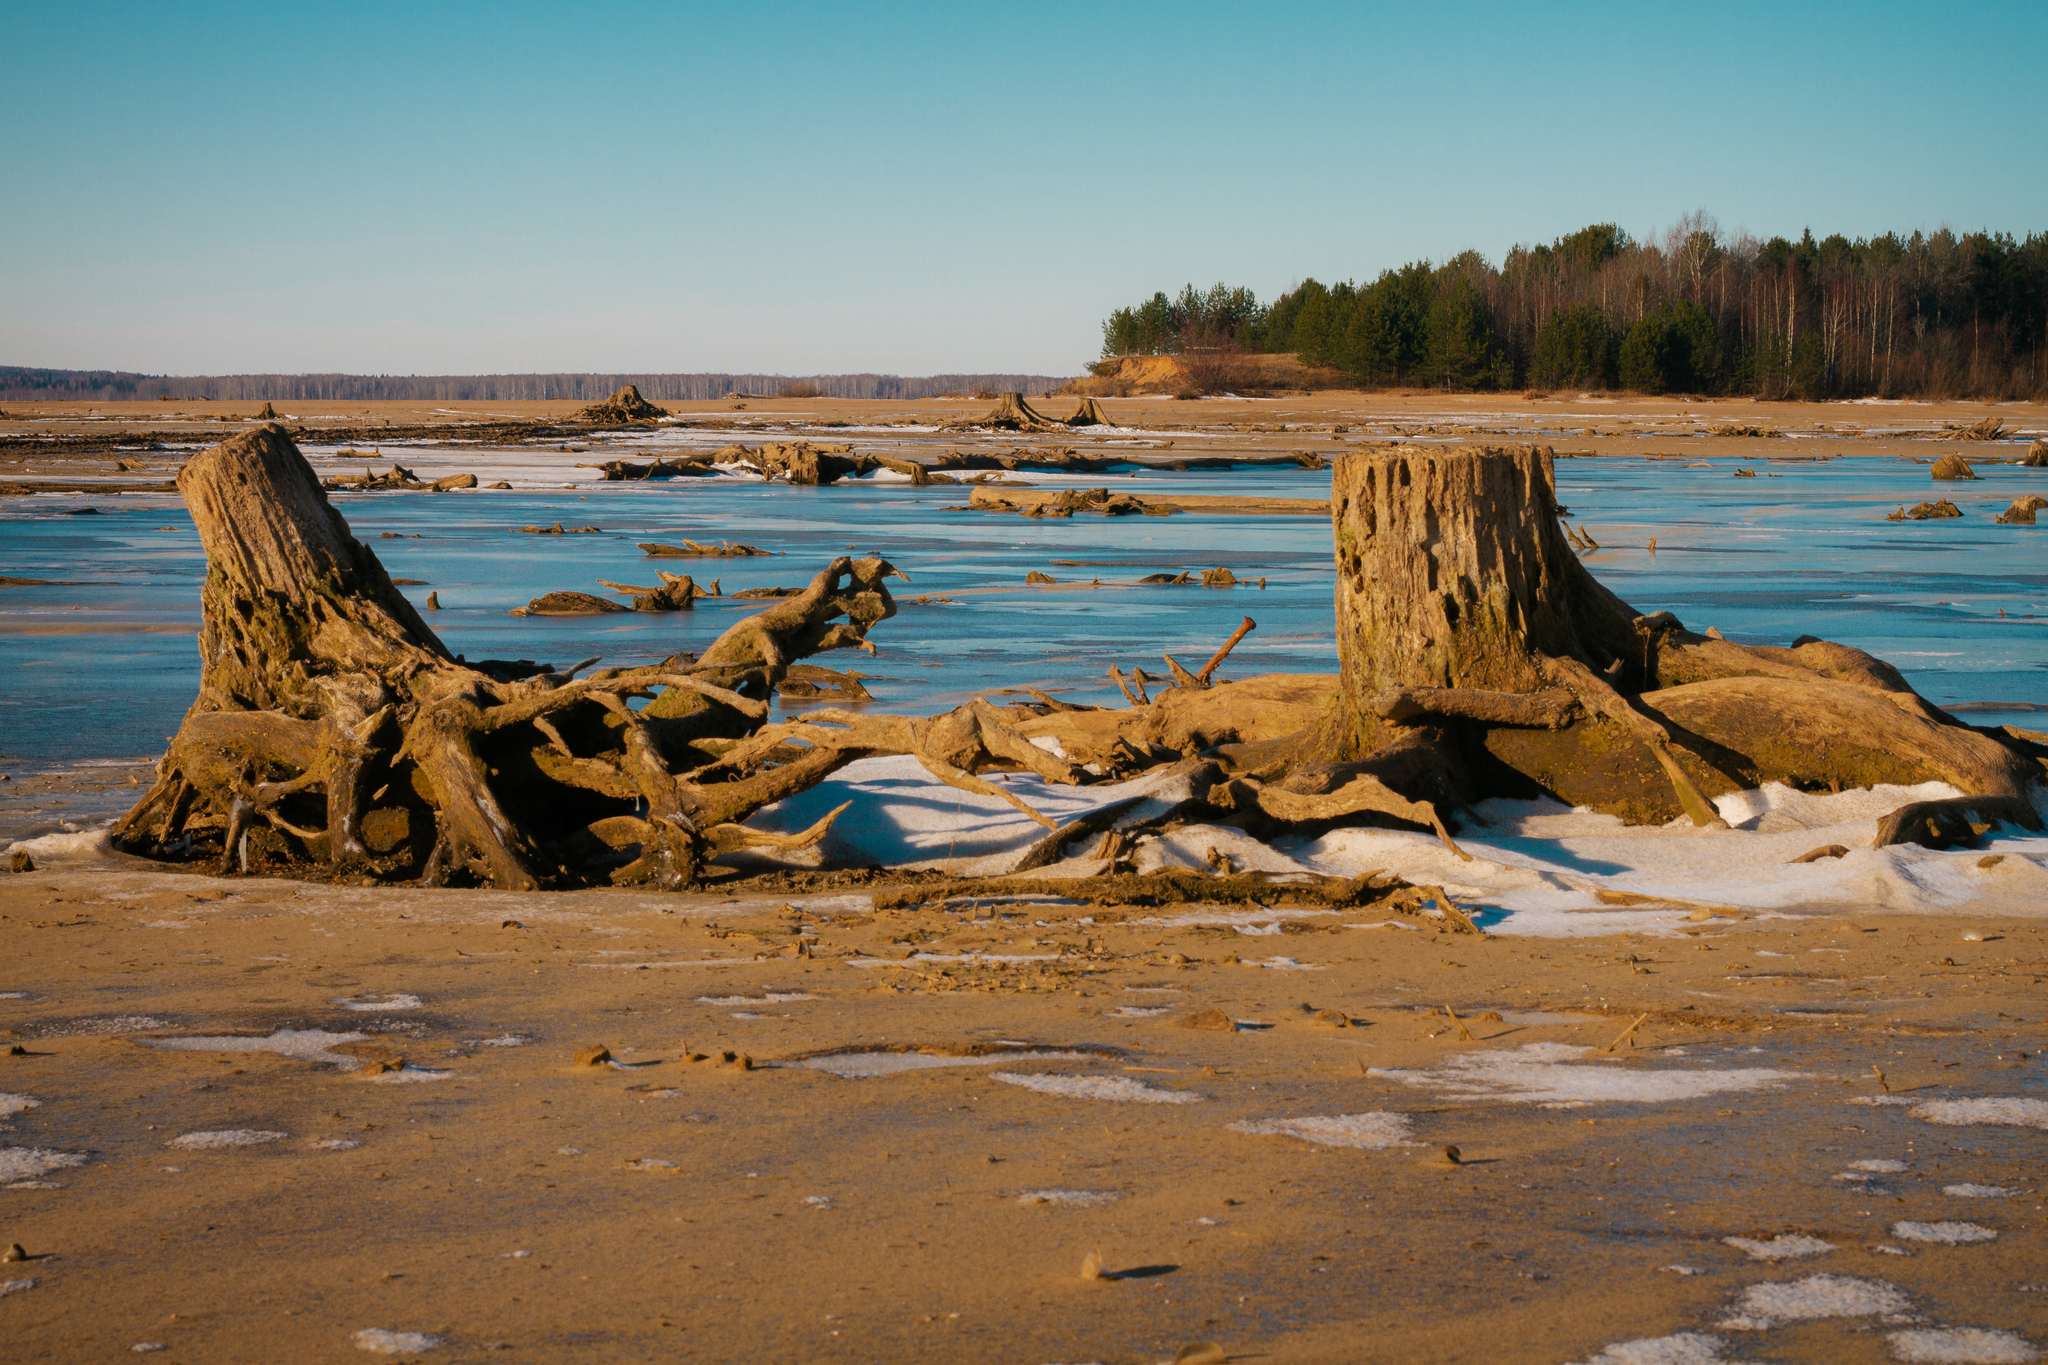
[[105, 670]]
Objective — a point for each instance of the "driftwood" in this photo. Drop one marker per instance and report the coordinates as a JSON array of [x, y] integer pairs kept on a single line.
[[397, 479], [626, 471], [1983, 429], [1926, 511], [677, 592], [690, 549]]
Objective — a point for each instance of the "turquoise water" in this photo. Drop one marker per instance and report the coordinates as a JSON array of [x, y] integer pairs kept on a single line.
[[106, 670]]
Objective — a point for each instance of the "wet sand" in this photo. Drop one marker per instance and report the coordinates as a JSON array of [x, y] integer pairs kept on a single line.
[[514, 1204]]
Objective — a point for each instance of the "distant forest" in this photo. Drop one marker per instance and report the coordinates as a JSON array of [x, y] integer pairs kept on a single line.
[[21, 385], [1937, 315]]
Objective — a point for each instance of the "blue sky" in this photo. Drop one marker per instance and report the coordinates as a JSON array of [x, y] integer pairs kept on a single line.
[[444, 188]]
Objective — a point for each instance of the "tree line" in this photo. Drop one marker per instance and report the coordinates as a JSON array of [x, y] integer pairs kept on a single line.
[[24, 385], [1698, 311]]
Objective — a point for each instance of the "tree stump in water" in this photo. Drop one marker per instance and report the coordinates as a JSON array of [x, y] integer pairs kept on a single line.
[[1479, 658], [334, 731]]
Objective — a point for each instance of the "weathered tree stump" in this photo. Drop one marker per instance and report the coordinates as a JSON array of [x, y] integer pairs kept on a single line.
[[1479, 658], [1012, 412], [335, 733]]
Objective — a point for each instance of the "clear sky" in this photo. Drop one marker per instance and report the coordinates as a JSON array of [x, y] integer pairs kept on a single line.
[[464, 188]]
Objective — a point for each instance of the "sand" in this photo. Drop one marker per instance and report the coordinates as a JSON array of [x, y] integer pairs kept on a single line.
[[243, 1199]]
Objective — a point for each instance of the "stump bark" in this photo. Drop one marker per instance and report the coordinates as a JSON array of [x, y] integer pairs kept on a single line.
[[1479, 658]]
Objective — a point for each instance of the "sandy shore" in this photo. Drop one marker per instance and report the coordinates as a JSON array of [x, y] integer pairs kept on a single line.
[[950, 1107], [63, 437]]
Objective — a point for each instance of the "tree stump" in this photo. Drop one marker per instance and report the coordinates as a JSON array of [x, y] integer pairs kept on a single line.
[[1479, 658], [1012, 412], [334, 734]]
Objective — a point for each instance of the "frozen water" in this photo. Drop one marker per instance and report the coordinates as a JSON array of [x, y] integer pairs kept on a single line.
[[312, 1045]]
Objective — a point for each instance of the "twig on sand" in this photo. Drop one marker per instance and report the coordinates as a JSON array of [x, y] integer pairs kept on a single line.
[[1625, 1033]]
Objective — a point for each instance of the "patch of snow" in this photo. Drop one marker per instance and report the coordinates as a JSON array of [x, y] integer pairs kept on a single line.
[[227, 1137], [1681, 1348], [1947, 1234], [11, 1105], [1979, 1191], [770, 997], [1073, 1199], [384, 1342], [1786, 1246], [27, 1163], [1763, 1306], [1962, 1346], [1116, 1088], [1374, 1130], [2019, 1113], [863, 1065], [1546, 1073]]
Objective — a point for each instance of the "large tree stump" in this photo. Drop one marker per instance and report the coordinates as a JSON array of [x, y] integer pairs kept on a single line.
[[1479, 658], [335, 734]]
